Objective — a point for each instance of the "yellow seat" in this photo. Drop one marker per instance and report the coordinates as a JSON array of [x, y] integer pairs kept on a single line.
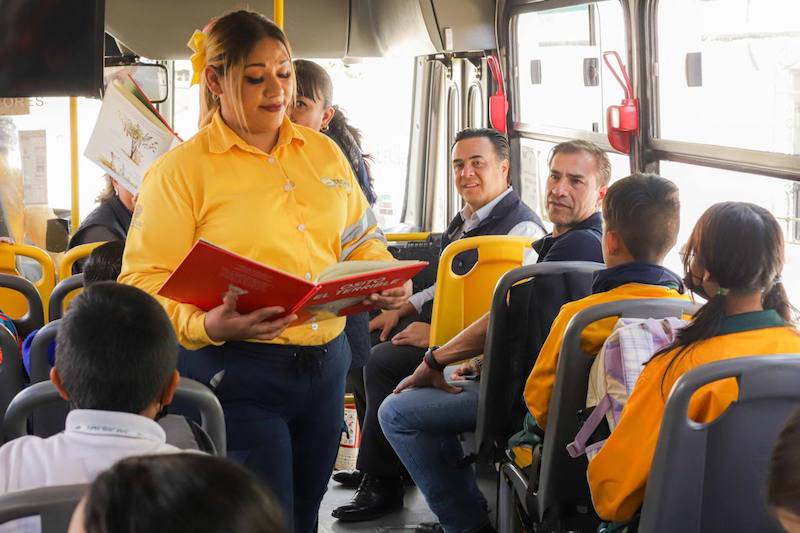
[[459, 300], [65, 267], [12, 302]]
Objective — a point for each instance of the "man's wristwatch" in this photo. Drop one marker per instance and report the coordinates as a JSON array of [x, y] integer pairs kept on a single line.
[[431, 361]]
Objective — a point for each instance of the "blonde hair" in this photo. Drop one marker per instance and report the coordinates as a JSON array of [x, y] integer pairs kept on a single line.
[[229, 41]]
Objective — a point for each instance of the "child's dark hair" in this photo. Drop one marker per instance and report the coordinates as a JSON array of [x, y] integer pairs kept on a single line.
[[314, 83], [104, 263], [783, 490], [645, 210], [181, 493], [116, 349], [741, 247]]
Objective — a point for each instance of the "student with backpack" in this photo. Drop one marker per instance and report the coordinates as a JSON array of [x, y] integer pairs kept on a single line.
[[641, 219], [734, 258]]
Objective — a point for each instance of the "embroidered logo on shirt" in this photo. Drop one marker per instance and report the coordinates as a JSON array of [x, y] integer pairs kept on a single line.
[[336, 182]]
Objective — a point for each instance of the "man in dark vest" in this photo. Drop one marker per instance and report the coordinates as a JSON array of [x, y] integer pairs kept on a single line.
[[480, 166]]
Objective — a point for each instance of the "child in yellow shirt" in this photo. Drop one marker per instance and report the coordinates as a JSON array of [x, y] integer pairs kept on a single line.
[[734, 258]]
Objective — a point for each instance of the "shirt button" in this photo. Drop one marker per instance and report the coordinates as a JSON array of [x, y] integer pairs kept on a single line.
[[315, 326], [288, 187], [307, 275], [271, 160], [301, 227]]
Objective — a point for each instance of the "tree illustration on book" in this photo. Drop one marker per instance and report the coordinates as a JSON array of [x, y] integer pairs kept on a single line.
[[140, 140]]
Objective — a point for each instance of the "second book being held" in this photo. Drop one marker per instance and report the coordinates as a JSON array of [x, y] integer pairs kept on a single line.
[[209, 271]]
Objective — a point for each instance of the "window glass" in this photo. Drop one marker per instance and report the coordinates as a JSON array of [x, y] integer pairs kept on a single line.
[[736, 64], [39, 135], [560, 76], [381, 110], [701, 187], [534, 172]]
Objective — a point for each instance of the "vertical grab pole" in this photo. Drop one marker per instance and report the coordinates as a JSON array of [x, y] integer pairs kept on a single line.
[[278, 12], [73, 138]]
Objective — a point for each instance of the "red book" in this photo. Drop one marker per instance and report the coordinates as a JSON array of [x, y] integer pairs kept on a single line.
[[208, 272]]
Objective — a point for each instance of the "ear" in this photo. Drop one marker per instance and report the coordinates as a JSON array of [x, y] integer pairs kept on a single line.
[[327, 116], [504, 164], [169, 390], [601, 194], [213, 81], [613, 242], [55, 377]]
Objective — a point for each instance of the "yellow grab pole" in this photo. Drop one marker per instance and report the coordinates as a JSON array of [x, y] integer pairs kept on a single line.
[[277, 11], [73, 153]]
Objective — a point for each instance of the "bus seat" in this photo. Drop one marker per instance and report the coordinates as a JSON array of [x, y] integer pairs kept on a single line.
[[63, 293], [460, 299], [563, 492], [524, 305], [713, 477], [15, 289], [421, 247], [48, 419], [12, 378], [73, 255], [54, 505], [11, 302], [44, 394]]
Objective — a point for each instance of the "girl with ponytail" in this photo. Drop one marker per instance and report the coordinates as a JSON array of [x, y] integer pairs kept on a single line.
[[734, 259]]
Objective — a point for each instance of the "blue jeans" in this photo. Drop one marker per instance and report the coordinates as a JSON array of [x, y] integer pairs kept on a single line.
[[422, 426], [283, 414]]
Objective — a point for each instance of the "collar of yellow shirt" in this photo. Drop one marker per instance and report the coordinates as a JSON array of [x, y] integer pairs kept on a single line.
[[222, 138]]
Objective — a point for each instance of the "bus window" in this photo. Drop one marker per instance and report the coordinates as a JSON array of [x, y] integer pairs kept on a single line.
[[702, 187], [736, 64], [379, 109], [534, 172], [560, 80], [21, 169]]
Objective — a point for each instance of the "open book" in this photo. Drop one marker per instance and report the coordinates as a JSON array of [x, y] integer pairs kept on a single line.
[[208, 272], [129, 134]]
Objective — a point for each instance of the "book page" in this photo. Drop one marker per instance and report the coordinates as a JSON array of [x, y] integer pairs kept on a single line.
[[351, 268], [127, 138]]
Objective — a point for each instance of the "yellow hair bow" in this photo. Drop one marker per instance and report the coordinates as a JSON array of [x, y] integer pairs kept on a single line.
[[198, 44]]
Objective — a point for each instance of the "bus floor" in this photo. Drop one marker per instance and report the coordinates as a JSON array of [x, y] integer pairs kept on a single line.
[[414, 511]]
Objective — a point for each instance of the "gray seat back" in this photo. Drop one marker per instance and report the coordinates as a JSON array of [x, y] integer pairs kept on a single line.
[[56, 305], [11, 374], [562, 481], [34, 317], [519, 321], [54, 505], [48, 419], [712, 477], [45, 394]]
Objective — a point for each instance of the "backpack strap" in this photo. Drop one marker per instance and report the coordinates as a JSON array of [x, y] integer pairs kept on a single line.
[[577, 447]]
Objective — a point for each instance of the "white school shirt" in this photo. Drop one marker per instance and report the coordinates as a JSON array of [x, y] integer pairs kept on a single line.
[[471, 220], [91, 443]]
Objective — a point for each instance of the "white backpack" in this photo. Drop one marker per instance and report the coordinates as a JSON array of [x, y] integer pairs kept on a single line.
[[616, 368]]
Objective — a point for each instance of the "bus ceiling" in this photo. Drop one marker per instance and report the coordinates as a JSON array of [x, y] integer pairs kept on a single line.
[[339, 28]]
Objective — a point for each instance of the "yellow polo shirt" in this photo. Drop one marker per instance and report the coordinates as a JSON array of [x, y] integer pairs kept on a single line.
[[298, 208], [542, 379], [618, 474]]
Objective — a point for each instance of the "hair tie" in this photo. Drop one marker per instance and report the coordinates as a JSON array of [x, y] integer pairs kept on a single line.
[[777, 280], [198, 44], [722, 292]]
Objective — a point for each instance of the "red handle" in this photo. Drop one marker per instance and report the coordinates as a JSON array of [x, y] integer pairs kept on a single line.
[[497, 74], [624, 81]]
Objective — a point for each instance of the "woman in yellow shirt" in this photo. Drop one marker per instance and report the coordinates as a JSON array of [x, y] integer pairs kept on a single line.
[[734, 258], [282, 195]]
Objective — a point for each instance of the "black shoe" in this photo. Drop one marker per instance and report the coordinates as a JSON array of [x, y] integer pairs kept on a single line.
[[349, 478], [375, 497]]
